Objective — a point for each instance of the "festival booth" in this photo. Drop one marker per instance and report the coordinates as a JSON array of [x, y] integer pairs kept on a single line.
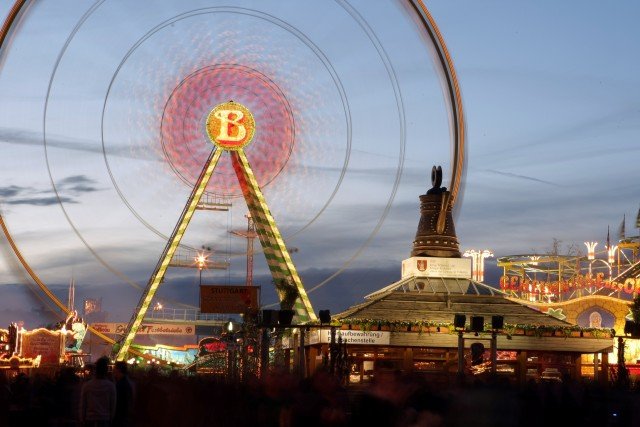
[[160, 343], [41, 347], [423, 324], [583, 290], [439, 320]]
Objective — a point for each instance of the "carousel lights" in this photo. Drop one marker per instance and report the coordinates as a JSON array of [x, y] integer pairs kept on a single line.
[[591, 250]]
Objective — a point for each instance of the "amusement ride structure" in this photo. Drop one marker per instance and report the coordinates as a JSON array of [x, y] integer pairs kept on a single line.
[[186, 76], [230, 127], [556, 277]]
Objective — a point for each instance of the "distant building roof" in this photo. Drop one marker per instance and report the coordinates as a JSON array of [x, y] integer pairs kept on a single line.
[[439, 299]]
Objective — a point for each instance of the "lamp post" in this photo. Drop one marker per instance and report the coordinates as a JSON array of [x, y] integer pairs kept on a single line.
[[201, 262], [231, 356], [591, 250], [477, 258], [611, 257]]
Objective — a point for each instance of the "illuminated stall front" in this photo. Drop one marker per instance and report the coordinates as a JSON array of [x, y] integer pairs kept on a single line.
[[410, 326]]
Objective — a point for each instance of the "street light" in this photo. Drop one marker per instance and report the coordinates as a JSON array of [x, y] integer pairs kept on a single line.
[[591, 250], [201, 262], [230, 326], [591, 253], [478, 258], [611, 257]]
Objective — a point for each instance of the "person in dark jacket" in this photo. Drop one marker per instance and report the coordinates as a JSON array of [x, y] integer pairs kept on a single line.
[[98, 397], [124, 392]]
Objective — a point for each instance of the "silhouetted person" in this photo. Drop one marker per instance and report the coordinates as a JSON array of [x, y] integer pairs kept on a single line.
[[124, 400], [98, 398], [20, 399]]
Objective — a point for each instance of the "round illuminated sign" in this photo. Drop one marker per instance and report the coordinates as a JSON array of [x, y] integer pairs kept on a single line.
[[230, 126]]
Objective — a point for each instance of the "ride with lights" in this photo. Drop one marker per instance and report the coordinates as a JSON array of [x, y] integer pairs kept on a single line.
[[230, 126]]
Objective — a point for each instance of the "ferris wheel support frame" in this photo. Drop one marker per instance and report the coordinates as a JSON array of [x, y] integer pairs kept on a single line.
[[167, 254], [283, 271]]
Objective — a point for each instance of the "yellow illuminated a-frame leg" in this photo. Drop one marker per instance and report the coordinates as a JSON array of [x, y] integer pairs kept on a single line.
[[167, 254], [282, 268]]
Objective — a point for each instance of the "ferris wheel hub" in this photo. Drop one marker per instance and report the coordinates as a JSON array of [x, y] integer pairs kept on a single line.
[[230, 126]]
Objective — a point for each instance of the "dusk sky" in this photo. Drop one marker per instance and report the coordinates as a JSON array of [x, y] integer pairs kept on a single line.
[[102, 105]]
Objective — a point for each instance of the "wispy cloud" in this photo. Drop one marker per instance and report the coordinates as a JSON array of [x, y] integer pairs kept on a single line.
[[40, 201], [72, 187], [517, 176], [10, 191], [30, 138], [625, 116], [77, 184]]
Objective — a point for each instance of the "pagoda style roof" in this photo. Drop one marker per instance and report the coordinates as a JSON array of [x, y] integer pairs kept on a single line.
[[398, 303], [436, 285], [436, 301]]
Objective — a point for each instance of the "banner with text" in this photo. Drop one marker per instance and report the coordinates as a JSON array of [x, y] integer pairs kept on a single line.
[[146, 329], [228, 299], [458, 268], [323, 336], [44, 343]]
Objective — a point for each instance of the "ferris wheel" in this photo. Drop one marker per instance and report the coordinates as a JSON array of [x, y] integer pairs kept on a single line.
[[106, 120]]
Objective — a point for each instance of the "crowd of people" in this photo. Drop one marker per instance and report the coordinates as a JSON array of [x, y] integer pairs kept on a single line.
[[151, 398]]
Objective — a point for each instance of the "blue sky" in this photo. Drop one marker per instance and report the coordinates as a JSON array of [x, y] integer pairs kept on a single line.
[[550, 92]]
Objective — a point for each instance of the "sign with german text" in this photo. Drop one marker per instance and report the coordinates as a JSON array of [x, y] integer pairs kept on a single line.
[[458, 268], [323, 336], [228, 299], [44, 343], [146, 329]]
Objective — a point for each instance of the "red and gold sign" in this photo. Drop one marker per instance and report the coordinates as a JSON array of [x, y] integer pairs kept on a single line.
[[518, 284], [230, 126], [44, 343]]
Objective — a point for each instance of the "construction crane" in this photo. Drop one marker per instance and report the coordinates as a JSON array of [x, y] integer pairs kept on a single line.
[[250, 234]]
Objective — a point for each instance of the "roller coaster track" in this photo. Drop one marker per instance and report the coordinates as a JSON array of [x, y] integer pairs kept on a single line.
[[633, 271]]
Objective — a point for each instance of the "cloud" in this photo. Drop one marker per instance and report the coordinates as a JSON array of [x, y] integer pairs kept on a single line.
[[585, 127], [30, 138], [77, 184], [74, 186], [12, 190], [40, 201], [529, 178]]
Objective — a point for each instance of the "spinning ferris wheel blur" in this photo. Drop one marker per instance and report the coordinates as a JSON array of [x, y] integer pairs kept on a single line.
[[102, 128]]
